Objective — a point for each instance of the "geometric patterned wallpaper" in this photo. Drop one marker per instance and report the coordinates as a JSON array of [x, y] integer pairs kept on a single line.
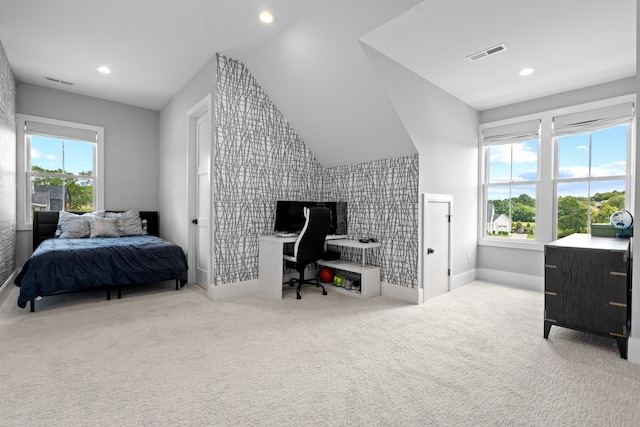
[[258, 158], [7, 168], [382, 202]]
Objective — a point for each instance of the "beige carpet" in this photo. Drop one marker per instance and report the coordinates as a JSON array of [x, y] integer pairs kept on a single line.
[[160, 357]]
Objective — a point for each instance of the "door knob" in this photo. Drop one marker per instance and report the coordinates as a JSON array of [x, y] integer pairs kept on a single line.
[[430, 251], [194, 221]]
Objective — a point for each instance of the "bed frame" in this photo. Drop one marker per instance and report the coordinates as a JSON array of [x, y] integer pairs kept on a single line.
[[45, 224]]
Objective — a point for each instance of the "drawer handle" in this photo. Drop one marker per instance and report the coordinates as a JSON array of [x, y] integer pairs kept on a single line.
[[617, 304], [550, 293], [617, 273], [623, 334], [550, 266], [547, 319]]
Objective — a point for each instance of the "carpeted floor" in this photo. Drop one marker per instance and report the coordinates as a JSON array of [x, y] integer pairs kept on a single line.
[[160, 357]]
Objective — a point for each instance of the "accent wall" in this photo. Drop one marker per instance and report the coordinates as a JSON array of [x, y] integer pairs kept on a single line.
[[7, 169], [259, 158]]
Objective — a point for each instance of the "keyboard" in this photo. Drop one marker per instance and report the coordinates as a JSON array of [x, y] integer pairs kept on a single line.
[[286, 234]]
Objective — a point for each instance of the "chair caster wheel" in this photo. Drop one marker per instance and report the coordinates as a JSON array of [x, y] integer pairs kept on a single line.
[[324, 292], [298, 297]]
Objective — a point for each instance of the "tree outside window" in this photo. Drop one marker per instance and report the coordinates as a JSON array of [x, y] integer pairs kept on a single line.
[[591, 181]]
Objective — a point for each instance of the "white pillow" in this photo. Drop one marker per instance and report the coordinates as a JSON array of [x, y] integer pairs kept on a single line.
[[103, 227], [128, 223], [98, 214], [72, 225]]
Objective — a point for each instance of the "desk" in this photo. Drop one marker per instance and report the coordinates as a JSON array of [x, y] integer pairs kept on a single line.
[[270, 260], [346, 243]]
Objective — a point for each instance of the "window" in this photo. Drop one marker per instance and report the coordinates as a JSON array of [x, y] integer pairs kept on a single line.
[[511, 181], [58, 167], [550, 174], [592, 170]]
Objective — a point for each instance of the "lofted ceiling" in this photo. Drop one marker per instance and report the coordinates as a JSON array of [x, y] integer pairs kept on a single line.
[[311, 61]]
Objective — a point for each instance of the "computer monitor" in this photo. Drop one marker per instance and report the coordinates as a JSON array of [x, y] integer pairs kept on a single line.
[[290, 216]]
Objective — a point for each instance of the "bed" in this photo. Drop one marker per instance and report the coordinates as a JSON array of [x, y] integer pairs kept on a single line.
[[104, 259]]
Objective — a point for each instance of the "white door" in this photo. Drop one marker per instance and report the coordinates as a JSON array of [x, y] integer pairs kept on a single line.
[[203, 157], [199, 146], [436, 241]]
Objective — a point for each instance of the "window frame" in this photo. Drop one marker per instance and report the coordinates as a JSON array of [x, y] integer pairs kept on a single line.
[[546, 204], [23, 221]]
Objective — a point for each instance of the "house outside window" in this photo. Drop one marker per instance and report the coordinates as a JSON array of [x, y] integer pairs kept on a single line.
[[59, 167]]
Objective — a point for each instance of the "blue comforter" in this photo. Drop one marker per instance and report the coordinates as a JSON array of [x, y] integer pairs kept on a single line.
[[64, 265]]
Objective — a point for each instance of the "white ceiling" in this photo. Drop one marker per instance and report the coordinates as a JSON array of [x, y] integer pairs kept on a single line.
[[153, 46], [311, 63], [571, 44]]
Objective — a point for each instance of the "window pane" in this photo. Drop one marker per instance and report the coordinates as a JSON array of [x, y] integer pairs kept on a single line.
[[608, 197], [499, 163], [525, 161], [61, 156], [523, 211], [81, 193], [78, 157], [511, 211], [573, 156], [572, 208], [49, 194], [609, 152], [513, 162], [46, 154]]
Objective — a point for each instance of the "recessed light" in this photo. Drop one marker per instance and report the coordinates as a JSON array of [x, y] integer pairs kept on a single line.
[[526, 71], [266, 17], [104, 69]]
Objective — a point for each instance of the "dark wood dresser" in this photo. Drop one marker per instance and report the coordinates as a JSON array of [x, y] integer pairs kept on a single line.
[[587, 286]]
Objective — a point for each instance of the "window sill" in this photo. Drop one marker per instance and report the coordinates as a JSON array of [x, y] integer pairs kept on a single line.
[[505, 242], [27, 226]]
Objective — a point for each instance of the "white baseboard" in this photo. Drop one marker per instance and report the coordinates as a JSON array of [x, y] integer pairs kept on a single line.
[[633, 351], [5, 288], [403, 293], [230, 290], [416, 295], [459, 280], [516, 280]]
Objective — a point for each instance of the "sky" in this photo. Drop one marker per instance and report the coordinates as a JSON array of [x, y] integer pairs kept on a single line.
[[608, 154], [48, 153]]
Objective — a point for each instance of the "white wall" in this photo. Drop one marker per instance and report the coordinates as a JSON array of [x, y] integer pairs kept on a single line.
[[173, 153], [444, 131], [130, 145]]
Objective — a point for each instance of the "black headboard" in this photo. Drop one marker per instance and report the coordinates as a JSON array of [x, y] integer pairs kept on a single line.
[[46, 222]]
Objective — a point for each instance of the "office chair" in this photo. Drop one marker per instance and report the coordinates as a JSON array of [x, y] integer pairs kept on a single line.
[[309, 246]]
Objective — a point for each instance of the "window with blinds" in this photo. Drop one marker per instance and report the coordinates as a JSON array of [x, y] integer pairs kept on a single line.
[[592, 171], [511, 180], [554, 173]]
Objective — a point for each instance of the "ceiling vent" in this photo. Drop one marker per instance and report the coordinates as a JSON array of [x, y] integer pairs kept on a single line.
[[484, 53], [62, 82]]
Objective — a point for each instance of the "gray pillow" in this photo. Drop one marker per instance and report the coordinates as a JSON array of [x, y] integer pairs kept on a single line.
[[103, 227]]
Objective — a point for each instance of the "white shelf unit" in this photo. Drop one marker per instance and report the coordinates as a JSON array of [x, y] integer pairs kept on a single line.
[[369, 277]]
